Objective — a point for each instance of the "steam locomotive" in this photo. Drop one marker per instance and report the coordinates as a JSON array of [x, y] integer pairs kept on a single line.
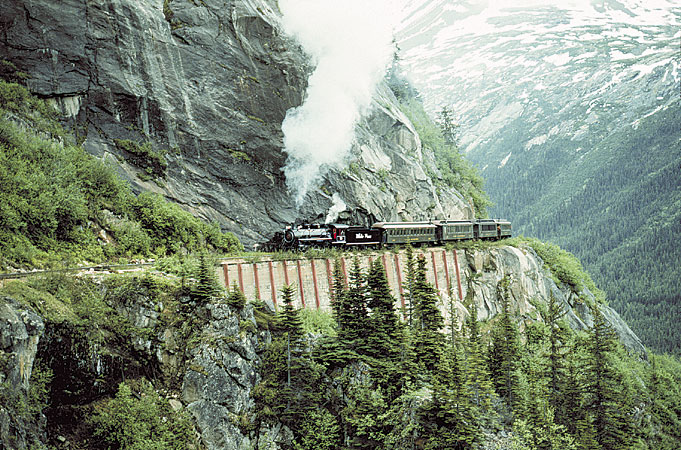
[[385, 234]]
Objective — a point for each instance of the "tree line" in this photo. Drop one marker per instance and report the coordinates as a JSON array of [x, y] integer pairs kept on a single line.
[[387, 379]]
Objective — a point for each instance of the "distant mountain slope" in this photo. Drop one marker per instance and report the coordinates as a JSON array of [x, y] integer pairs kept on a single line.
[[573, 113]]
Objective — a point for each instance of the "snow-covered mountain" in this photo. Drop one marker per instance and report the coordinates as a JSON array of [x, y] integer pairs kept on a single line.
[[493, 64], [572, 110]]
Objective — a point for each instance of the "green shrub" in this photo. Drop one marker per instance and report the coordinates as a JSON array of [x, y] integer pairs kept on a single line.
[[43, 117], [316, 321], [145, 157], [141, 421], [170, 226], [565, 267], [131, 239], [54, 195]]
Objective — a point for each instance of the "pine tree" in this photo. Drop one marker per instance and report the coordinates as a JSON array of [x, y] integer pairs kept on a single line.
[[338, 292], [409, 284], [602, 387], [448, 421], [289, 390], [385, 337], [427, 319], [478, 383], [206, 283], [352, 314], [504, 353], [290, 323], [557, 353], [236, 297]]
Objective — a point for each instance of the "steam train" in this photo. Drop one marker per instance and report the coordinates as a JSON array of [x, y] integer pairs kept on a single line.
[[386, 234]]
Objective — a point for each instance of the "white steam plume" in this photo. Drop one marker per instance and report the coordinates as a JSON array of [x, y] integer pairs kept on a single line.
[[350, 43], [338, 207]]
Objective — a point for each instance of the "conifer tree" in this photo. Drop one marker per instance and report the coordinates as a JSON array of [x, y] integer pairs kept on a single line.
[[504, 353], [478, 382], [409, 284], [449, 421], [236, 297], [352, 314], [338, 292], [289, 390], [383, 320], [602, 387], [206, 283], [385, 331], [557, 354], [427, 320]]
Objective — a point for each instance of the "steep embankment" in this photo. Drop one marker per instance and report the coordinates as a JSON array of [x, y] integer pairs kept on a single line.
[[202, 356], [207, 85]]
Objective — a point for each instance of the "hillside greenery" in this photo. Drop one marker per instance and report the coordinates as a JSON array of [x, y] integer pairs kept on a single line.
[[377, 381], [63, 206], [615, 202], [454, 169], [90, 379], [364, 376]]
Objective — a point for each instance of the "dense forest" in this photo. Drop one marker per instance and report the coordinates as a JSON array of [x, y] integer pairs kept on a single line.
[[618, 208], [369, 379]]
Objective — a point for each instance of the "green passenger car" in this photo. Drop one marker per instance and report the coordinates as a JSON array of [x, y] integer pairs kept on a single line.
[[396, 233]]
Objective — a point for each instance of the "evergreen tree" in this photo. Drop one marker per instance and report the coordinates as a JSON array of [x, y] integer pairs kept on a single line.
[[409, 284], [478, 383], [338, 292], [236, 297], [427, 320], [384, 323], [354, 314], [289, 391], [290, 323], [602, 387], [385, 332], [557, 354], [206, 286], [448, 421], [504, 353], [450, 130]]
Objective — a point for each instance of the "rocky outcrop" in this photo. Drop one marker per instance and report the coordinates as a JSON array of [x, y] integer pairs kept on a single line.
[[221, 374], [209, 82], [531, 285], [20, 331]]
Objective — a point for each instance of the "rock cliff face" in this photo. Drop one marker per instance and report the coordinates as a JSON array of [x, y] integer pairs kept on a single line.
[[531, 285], [209, 82], [20, 331]]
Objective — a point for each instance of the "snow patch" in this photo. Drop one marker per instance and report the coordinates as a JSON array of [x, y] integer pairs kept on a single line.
[[539, 140], [505, 160], [558, 59]]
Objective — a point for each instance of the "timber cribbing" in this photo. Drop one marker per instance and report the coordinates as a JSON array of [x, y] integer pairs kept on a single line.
[[313, 278]]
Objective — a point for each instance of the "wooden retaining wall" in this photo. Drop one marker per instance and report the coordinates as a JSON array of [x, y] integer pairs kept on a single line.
[[313, 278]]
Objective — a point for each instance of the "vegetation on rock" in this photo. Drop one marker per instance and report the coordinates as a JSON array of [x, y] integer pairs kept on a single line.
[[62, 205], [454, 169]]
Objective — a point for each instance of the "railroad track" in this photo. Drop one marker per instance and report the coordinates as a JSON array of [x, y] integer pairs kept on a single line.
[[97, 268]]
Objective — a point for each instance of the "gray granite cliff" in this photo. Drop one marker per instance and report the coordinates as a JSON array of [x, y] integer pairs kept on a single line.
[[209, 82]]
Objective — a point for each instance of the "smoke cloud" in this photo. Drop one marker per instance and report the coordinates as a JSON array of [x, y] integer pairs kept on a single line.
[[338, 207], [350, 43]]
